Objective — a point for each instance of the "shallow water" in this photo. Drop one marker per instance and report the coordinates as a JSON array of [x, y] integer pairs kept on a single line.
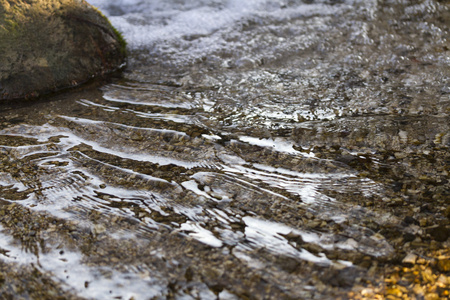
[[257, 149]]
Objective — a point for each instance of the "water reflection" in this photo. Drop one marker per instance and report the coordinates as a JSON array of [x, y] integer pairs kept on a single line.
[[248, 157]]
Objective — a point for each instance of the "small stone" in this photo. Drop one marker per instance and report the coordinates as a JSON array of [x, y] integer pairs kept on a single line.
[[447, 212], [410, 258], [314, 223], [418, 289], [394, 292], [434, 245], [443, 281], [137, 137], [409, 220], [421, 261], [427, 276], [367, 292], [439, 232], [432, 296], [408, 237], [99, 229], [443, 265], [423, 222], [400, 155]]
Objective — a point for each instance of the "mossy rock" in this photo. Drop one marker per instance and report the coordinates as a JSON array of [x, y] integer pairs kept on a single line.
[[49, 45]]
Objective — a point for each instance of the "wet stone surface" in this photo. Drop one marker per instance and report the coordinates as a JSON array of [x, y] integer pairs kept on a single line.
[[295, 150]]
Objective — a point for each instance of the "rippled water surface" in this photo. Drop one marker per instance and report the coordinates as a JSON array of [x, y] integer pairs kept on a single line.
[[251, 149]]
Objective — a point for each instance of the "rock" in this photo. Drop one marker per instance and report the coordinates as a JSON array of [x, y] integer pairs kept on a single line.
[[447, 212], [410, 258], [394, 292], [342, 278], [409, 220], [408, 237], [432, 296], [48, 45], [444, 264], [439, 232]]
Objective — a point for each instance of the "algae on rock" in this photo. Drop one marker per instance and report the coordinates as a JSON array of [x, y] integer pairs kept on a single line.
[[48, 45]]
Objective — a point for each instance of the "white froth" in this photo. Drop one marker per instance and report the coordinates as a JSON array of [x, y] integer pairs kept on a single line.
[[197, 26]]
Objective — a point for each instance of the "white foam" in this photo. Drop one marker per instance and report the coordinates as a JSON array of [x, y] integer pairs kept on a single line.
[[201, 234], [164, 25], [193, 186], [277, 144], [267, 234], [150, 21]]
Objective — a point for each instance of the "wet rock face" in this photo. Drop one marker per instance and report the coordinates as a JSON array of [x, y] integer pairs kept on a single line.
[[48, 45]]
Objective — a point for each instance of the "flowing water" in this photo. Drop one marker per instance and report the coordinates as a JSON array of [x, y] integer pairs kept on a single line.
[[252, 149]]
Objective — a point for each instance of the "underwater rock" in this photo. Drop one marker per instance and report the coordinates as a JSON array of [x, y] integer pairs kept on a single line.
[[49, 45]]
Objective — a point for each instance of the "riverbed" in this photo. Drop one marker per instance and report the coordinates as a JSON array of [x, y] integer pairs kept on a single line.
[[250, 150]]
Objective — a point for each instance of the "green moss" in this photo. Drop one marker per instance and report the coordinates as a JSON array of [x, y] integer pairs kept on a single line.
[[122, 41], [11, 25], [120, 38]]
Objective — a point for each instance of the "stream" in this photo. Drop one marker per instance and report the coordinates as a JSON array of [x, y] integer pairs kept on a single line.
[[254, 149]]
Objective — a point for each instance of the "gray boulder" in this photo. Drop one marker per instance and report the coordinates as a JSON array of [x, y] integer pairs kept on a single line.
[[49, 45]]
